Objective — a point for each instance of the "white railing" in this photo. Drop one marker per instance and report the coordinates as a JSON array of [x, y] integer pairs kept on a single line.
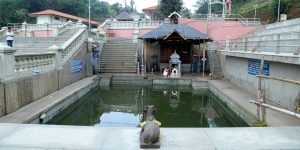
[[63, 28], [129, 24], [3, 32], [27, 30], [24, 65], [150, 24], [75, 42], [277, 43], [34, 63], [121, 24]]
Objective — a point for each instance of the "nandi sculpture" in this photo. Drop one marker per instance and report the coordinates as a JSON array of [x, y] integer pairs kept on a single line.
[[150, 131]]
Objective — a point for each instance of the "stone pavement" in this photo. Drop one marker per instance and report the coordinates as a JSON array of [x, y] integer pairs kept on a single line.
[[241, 99], [39, 137]]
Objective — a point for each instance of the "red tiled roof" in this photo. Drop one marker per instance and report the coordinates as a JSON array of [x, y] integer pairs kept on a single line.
[[150, 8], [61, 14]]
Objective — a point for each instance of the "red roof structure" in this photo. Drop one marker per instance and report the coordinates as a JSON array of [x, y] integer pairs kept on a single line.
[[152, 8], [61, 14]]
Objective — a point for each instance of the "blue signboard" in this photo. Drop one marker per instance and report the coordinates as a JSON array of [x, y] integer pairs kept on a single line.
[[76, 66], [254, 67]]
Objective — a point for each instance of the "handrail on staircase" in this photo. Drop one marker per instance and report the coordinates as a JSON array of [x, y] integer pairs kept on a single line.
[[72, 44]]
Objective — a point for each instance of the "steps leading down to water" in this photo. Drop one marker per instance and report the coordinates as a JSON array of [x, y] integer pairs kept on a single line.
[[25, 45], [118, 56]]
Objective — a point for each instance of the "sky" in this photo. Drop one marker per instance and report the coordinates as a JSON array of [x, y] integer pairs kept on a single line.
[[140, 4]]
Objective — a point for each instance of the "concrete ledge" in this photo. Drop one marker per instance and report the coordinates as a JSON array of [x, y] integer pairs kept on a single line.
[[24, 136], [172, 81], [199, 85], [237, 99], [268, 56], [223, 95], [51, 104]]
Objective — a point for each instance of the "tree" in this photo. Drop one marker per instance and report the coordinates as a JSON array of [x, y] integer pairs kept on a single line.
[[203, 7], [168, 6], [285, 5], [185, 12], [116, 9], [131, 5], [100, 10]]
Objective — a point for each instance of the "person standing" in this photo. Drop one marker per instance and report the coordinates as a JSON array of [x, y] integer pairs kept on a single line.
[[10, 37]]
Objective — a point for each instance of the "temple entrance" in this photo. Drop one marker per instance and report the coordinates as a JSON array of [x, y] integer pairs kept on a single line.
[[183, 49]]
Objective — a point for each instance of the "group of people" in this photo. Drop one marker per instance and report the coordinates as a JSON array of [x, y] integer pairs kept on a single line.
[[10, 37]]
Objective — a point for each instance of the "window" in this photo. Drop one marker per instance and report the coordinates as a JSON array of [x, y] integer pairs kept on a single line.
[[56, 18]]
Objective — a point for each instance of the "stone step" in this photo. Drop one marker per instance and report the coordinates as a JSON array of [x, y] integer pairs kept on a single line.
[[117, 70], [117, 61], [118, 50], [118, 55]]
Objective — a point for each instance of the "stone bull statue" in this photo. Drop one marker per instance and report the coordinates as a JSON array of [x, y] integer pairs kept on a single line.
[[150, 131]]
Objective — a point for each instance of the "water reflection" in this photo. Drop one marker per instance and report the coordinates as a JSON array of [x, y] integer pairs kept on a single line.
[[123, 107]]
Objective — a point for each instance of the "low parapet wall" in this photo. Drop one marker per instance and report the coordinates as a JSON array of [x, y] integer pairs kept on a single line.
[[239, 70], [17, 93]]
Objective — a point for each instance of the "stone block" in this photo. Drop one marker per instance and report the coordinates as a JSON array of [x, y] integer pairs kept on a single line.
[[11, 97], [2, 100], [25, 89]]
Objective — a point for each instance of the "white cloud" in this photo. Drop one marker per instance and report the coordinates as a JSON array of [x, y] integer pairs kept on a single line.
[[140, 4]]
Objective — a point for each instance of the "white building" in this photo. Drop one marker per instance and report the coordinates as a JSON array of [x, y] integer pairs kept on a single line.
[[55, 17]]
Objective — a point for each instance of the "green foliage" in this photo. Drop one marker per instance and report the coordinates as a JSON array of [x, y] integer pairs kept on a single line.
[[16, 11], [203, 7], [285, 5], [185, 12], [168, 6]]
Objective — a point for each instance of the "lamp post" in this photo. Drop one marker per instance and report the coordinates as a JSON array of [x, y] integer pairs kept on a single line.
[[89, 17], [254, 11], [278, 11]]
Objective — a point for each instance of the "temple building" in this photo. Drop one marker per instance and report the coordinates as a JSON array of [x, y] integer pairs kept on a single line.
[[176, 39]]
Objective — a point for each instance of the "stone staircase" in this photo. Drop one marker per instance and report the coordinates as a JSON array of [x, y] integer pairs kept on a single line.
[[214, 60], [118, 56], [25, 45]]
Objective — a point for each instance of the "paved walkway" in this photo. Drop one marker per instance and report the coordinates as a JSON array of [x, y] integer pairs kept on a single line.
[[241, 98], [37, 137]]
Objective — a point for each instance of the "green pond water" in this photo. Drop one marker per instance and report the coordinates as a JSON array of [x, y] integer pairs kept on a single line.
[[122, 106]]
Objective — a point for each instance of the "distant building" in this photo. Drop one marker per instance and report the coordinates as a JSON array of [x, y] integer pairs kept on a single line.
[[135, 16], [153, 13], [56, 17], [124, 16]]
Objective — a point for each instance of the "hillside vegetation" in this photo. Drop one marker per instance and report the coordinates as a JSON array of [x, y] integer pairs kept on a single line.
[[266, 10]]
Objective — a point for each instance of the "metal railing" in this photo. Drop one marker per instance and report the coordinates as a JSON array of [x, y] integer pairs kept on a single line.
[[232, 17]]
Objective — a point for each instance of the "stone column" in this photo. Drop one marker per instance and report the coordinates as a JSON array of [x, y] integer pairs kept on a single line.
[[227, 43], [58, 56], [7, 62], [55, 32], [135, 36], [24, 28]]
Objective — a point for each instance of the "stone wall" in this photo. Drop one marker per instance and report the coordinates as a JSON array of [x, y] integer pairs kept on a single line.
[[2, 102], [287, 95], [65, 75], [17, 93]]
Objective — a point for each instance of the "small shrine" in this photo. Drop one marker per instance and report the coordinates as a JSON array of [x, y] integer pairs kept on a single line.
[[175, 65], [174, 47]]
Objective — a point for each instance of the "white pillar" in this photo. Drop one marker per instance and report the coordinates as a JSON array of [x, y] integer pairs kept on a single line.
[[135, 36], [58, 56], [227, 43], [7, 62]]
